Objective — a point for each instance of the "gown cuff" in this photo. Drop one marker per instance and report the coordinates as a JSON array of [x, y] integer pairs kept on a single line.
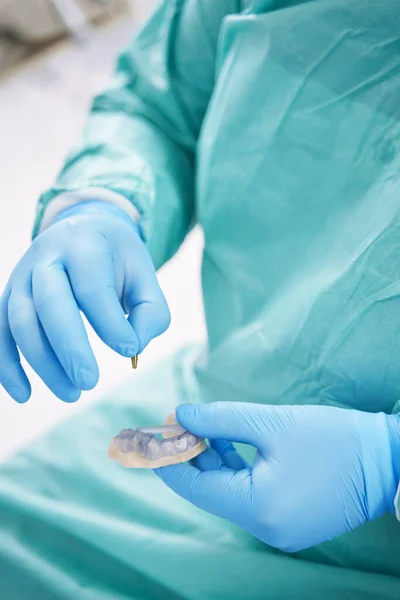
[[66, 199]]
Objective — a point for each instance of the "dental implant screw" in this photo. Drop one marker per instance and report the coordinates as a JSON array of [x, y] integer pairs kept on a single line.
[[134, 360]]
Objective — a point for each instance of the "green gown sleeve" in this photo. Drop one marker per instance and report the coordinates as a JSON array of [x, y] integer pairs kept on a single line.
[[140, 137]]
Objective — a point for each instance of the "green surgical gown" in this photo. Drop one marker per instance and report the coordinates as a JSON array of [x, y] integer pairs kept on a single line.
[[275, 125]]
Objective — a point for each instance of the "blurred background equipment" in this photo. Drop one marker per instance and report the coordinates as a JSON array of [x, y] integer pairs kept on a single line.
[[30, 26]]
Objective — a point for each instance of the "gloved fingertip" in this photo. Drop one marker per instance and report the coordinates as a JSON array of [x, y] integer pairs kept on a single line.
[[145, 335], [86, 378], [128, 350], [222, 446], [144, 341], [187, 415], [164, 473], [72, 396], [149, 320], [20, 395], [21, 398]]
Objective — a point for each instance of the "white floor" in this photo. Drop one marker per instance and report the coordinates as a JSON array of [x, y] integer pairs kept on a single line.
[[41, 113]]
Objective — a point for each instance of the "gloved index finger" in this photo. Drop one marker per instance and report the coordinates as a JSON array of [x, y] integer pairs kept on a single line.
[[91, 275]]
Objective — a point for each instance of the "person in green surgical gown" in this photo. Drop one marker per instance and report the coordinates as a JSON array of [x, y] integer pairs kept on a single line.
[[275, 126]]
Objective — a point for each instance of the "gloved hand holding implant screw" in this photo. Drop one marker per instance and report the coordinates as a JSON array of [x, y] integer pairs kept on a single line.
[[92, 259]]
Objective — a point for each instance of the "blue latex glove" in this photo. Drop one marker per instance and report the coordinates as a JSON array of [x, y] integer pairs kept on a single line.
[[92, 258], [319, 471]]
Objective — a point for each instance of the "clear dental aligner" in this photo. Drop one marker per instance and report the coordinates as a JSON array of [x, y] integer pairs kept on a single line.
[[135, 449], [150, 447]]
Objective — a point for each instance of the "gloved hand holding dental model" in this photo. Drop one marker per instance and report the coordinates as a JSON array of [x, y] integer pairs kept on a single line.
[[318, 473], [91, 258]]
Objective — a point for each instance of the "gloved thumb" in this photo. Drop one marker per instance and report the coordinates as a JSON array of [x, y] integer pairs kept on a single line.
[[233, 421]]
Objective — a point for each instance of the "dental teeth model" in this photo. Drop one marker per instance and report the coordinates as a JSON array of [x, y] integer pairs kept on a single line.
[[136, 449]]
